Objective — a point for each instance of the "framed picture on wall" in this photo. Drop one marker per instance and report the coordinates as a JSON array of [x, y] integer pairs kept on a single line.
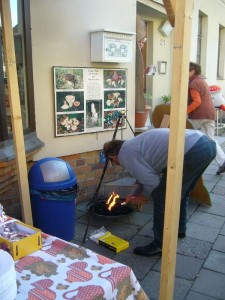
[[88, 99]]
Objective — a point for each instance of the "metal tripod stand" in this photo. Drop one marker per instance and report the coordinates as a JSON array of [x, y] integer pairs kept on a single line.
[[95, 197]]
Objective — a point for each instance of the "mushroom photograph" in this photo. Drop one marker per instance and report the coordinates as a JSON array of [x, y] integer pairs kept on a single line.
[[115, 78], [68, 78], [111, 117], [93, 113], [70, 124], [69, 101], [114, 99]]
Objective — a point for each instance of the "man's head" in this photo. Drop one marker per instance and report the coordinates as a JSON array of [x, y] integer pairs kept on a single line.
[[194, 69], [142, 42], [111, 150]]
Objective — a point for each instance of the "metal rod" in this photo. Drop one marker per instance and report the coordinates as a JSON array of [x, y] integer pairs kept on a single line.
[[125, 117], [95, 197]]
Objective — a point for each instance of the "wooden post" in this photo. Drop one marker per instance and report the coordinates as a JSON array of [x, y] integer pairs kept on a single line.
[[170, 7], [14, 100], [181, 57]]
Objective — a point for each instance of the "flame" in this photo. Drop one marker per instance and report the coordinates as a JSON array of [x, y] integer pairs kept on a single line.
[[112, 200]]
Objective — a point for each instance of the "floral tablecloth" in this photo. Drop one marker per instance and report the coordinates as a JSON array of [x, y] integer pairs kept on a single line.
[[62, 270]]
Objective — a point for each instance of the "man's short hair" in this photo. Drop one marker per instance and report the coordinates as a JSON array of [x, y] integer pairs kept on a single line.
[[112, 148], [196, 67]]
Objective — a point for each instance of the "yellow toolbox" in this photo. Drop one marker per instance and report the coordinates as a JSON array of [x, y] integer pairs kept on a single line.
[[113, 242], [24, 246]]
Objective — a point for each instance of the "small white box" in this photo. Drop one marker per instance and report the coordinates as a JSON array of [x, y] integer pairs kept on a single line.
[[111, 46]]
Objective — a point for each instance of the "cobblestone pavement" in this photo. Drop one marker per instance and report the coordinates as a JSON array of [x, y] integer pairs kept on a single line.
[[200, 265]]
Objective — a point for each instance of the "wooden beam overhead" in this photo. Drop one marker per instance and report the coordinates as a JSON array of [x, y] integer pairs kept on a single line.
[[170, 8]]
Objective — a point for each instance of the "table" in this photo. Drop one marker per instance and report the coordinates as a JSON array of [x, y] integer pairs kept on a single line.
[[62, 270]]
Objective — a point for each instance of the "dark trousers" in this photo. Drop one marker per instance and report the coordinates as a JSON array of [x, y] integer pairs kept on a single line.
[[196, 160]]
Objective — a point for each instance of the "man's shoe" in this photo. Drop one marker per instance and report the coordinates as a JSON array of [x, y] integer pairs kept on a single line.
[[182, 235], [149, 250], [221, 169]]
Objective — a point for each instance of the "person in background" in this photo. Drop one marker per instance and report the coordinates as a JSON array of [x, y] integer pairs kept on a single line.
[[145, 158], [201, 111]]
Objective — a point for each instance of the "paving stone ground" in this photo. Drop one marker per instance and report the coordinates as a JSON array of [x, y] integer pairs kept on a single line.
[[200, 264]]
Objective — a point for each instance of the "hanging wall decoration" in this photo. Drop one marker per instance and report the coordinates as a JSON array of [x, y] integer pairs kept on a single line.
[[88, 99]]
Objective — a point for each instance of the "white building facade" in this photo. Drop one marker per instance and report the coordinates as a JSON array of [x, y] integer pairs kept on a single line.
[[61, 37]]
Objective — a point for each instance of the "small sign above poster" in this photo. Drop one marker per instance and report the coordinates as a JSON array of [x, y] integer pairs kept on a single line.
[[109, 46], [88, 99]]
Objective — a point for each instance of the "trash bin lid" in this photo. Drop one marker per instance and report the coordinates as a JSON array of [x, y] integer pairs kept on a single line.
[[50, 174]]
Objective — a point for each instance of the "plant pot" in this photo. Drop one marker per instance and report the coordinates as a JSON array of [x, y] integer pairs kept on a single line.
[[141, 118]]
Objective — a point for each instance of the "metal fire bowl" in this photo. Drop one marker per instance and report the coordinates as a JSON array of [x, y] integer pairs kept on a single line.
[[91, 208]]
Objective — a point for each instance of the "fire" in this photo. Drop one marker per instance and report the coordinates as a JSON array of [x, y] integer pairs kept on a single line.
[[112, 200]]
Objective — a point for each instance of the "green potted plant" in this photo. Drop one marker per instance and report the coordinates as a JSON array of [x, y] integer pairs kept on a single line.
[[142, 110], [148, 98], [166, 99]]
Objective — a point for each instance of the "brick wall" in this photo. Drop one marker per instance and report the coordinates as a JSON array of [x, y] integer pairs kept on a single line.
[[9, 189], [86, 167], [89, 170]]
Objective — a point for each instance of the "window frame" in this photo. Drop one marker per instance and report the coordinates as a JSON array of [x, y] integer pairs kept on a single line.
[[201, 52], [31, 141], [3, 120], [4, 135], [220, 52], [199, 40]]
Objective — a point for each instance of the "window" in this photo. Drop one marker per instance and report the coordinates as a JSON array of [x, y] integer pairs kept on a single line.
[[199, 42], [20, 12], [201, 54], [221, 50]]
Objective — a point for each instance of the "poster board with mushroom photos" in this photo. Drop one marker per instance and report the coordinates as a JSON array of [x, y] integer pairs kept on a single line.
[[89, 99]]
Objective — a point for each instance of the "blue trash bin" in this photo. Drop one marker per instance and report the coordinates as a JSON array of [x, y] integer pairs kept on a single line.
[[53, 190]]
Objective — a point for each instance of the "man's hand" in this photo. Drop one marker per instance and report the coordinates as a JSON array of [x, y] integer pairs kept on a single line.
[[139, 199]]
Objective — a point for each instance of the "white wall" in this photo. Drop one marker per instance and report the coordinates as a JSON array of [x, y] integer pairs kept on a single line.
[[163, 47], [215, 11], [158, 49], [61, 37], [161, 83]]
